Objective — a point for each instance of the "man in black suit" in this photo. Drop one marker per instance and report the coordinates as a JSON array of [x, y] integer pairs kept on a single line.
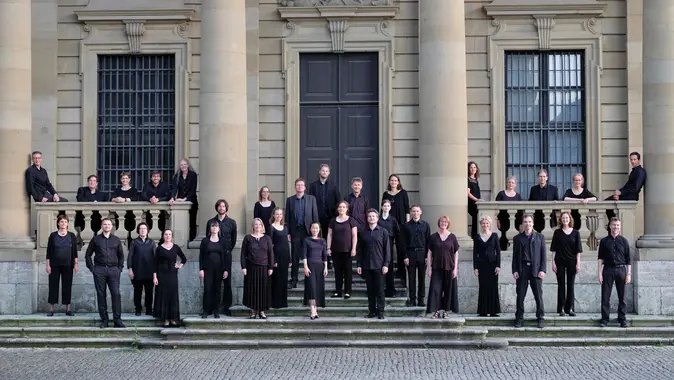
[[300, 212], [543, 192], [374, 258], [529, 263], [327, 197]]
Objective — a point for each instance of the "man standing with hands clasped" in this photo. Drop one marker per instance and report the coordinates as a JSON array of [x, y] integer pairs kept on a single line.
[[373, 261], [614, 265], [529, 262]]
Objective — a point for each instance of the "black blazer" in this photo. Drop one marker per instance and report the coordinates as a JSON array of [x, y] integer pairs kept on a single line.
[[551, 195], [310, 213], [84, 195], [537, 253], [190, 186], [332, 197]]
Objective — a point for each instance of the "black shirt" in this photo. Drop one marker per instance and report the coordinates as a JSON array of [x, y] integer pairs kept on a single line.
[[486, 252], [264, 213], [62, 250], [614, 251], [566, 247], [417, 235], [391, 225], [228, 231], [130, 193], [162, 192], [257, 251], [443, 252], [185, 187], [584, 194], [374, 248], [400, 204], [358, 207], [341, 235], [546, 193], [474, 186], [141, 258], [107, 252], [84, 194], [314, 250], [214, 255], [38, 184], [636, 180]]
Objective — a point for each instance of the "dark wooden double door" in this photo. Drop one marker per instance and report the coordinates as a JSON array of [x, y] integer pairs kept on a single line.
[[339, 119]]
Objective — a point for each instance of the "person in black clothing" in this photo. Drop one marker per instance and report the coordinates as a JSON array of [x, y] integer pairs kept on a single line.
[[38, 185], [257, 266], [141, 268], [106, 266], [614, 265], [578, 193], [228, 234], [416, 233], [373, 261], [487, 268], [342, 239], [278, 232], [474, 195], [185, 190], [315, 257], [509, 194], [543, 192], [167, 295], [443, 267], [61, 262], [529, 262], [215, 264], [327, 196], [264, 207], [390, 223], [90, 193], [156, 191], [632, 188], [123, 194], [300, 212], [566, 248], [358, 203], [400, 210]]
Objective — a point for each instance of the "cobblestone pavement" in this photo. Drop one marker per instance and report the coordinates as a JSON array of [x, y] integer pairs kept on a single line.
[[641, 363]]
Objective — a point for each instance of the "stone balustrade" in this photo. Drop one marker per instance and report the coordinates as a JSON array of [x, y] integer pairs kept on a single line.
[[125, 217], [593, 219]]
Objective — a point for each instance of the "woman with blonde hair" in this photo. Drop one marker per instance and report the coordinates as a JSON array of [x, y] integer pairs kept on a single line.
[[280, 238], [443, 266], [184, 189], [257, 266], [578, 193], [487, 267]]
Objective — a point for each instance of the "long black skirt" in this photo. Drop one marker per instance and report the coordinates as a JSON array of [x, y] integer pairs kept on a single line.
[[166, 296], [453, 298], [488, 300], [314, 285], [257, 288], [279, 280]]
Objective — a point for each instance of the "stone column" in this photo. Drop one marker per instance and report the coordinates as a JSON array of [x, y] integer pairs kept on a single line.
[[443, 115], [15, 118], [223, 136]]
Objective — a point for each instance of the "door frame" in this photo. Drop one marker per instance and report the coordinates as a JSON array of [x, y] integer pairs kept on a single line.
[[309, 37]]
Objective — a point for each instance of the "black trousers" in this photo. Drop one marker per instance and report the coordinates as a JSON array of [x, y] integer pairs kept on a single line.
[[226, 292], [618, 276], [374, 280], [343, 271], [324, 233], [416, 270], [566, 275], [440, 296], [194, 210], [297, 238], [138, 287], [400, 247], [212, 289], [525, 280], [64, 274], [108, 277]]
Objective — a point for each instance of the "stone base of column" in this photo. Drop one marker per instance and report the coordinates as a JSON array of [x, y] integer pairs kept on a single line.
[[653, 276], [18, 276], [656, 241]]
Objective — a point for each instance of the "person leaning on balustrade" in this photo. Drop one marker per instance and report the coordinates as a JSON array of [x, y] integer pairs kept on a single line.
[[154, 192], [37, 182], [90, 193], [61, 263], [474, 195], [185, 190], [503, 218], [578, 193], [547, 193], [124, 194]]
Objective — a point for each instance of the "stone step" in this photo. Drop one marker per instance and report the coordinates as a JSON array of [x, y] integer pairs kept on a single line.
[[83, 320], [322, 323], [346, 311], [78, 332], [277, 344], [592, 341], [589, 320], [65, 342], [578, 331], [353, 301], [356, 291]]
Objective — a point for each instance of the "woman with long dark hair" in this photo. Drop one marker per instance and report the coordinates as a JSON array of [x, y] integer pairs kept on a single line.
[[61, 263], [281, 241], [341, 245], [185, 190], [400, 210], [264, 207], [314, 252], [167, 295], [215, 265], [473, 195], [566, 248], [487, 267], [257, 266], [141, 267]]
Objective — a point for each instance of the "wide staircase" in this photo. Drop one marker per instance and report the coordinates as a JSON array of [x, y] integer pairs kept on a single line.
[[341, 324]]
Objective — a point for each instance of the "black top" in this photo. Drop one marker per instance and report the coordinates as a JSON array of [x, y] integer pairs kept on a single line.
[[214, 255], [390, 224], [84, 194], [358, 207], [257, 251], [228, 231], [62, 250], [374, 248], [141, 258], [416, 235], [165, 259], [584, 194], [636, 180], [314, 250], [566, 247], [327, 196], [107, 252], [130, 193], [185, 187], [486, 252], [502, 196], [162, 192], [474, 187], [546, 193], [341, 235], [614, 251], [443, 252], [279, 238], [400, 204], [38, 184], [529, 249], [264, 213]]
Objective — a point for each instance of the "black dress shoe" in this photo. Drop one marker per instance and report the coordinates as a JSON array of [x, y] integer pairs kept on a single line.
[[50, 314], [561, 314], [421, 303], [149, 312], [138, 314], [380, 316], [70, 313], [103, 324], [228, 313], [216, 315], [292, 285], [336, 295], [371, 315], [572, 313], [540, 324], [118, 324], [204, 315], [623, 324], [519, 323], [603, 323], [410, 303]]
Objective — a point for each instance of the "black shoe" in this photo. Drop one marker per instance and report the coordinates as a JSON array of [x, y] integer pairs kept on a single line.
[[495, 315], [561, 314], [540, 324], [228, 313], [380, 316], [329, 265], [410, 303], [421, 304], [519, 323], [312, 317], [482, 315], [371, 315], [262, 316], [103, 325], [292, 285], [603, 323], [623, 324], [571, 313], [216, 315], [50, 314], [118, 324], [70, 313], [204, 315], [148, 312], [138, 314], [336, 295], [347, 296]]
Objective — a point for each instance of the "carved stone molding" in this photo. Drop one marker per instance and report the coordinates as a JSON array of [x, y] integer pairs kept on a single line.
[[337, 30], [545, 8], [544, 26], [134, 32], [324, 3]]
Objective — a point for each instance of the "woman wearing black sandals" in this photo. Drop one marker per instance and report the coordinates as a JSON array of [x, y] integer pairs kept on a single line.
[[257, 265], [215, 264], [61, 262], [314, 252], [166, 300], [443, 260], [342, 239]]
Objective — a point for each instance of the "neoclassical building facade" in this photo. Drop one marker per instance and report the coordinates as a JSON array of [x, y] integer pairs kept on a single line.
[[260, 92]]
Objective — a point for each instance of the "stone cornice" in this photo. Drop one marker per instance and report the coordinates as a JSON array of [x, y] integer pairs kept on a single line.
[[588, 8], [337, 12], [92, 16], [327, 3]]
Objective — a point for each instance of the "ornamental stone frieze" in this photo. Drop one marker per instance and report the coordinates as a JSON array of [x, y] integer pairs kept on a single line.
[[334, 3]]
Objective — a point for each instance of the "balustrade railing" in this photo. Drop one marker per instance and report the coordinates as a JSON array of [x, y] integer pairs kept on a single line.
[[592, 215], [85, 219]]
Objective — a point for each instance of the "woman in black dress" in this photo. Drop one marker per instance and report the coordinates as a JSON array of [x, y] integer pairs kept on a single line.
[[281, 241], [508, 195], [390, 224], [124, 194], [400, 210], [315, 255], [215, 264], [342, 238], [141, 266], [566, 248], [257, 265], [185, 190], [264, 207], [443, 259], [473, 195], [578, 193], [61, 262], [166, 301], [487, 267]]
